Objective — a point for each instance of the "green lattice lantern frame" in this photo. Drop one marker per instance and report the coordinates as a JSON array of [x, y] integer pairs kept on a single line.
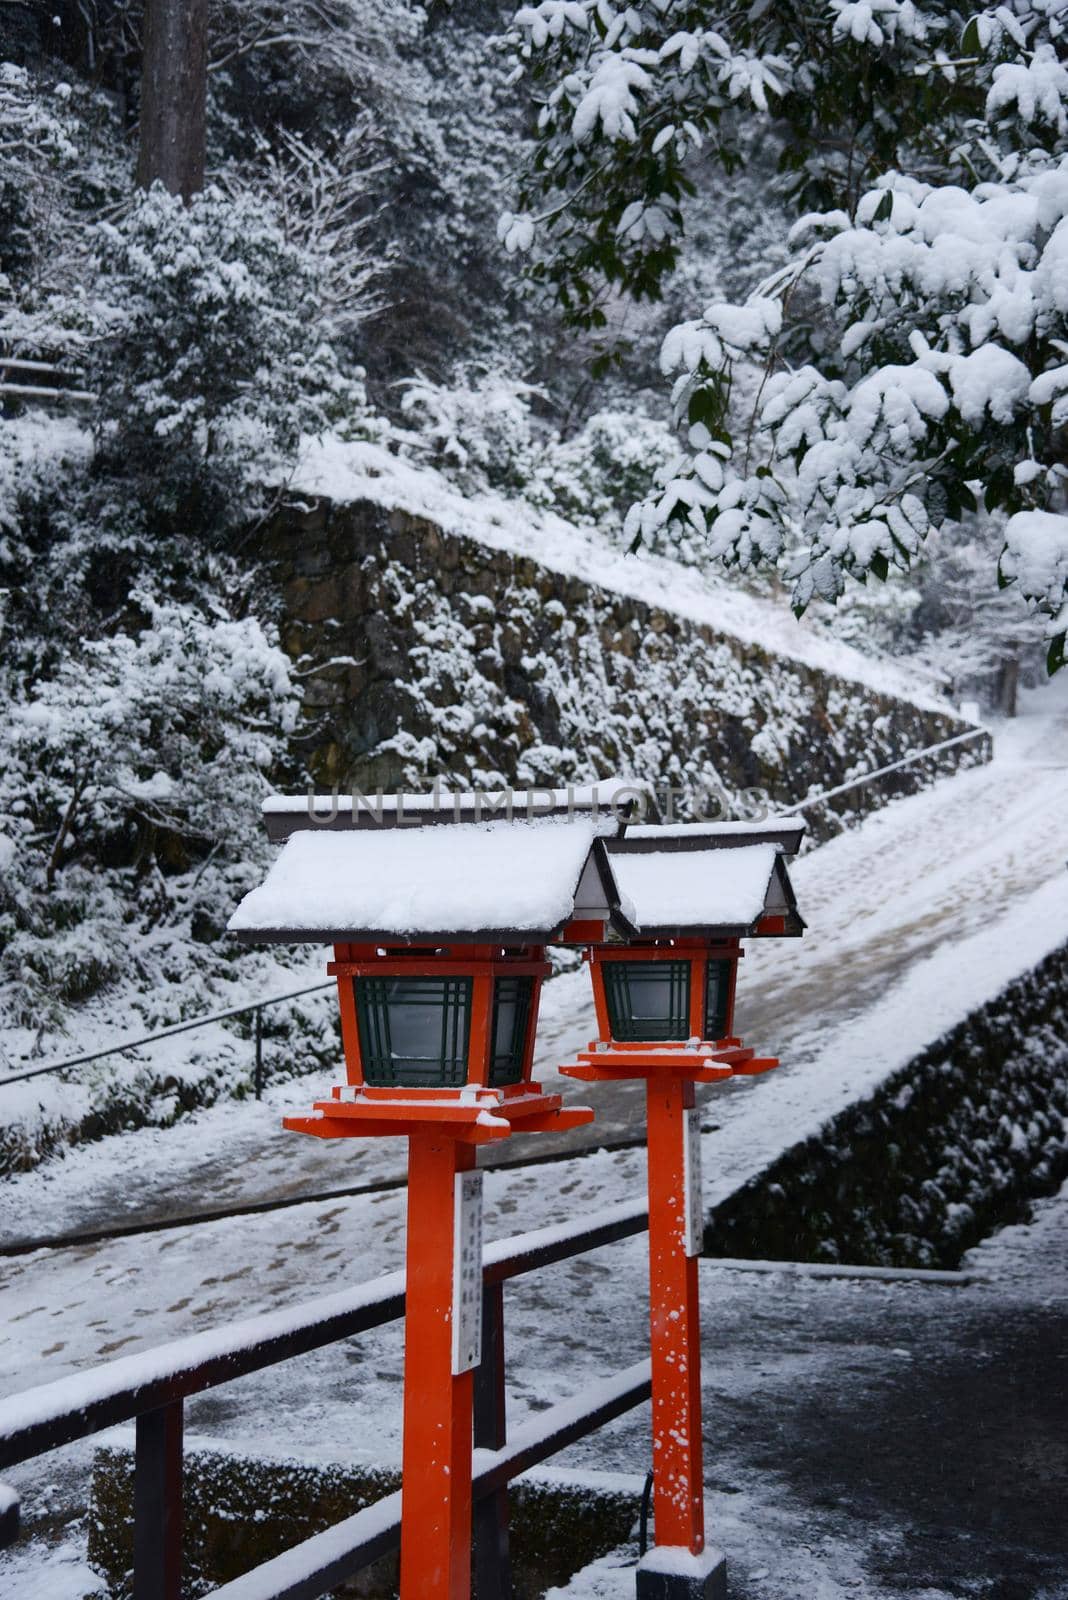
[[663, 992], [438, 1017]]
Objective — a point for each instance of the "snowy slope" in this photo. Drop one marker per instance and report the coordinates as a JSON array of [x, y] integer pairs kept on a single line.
[[345, 470], [920, 914]]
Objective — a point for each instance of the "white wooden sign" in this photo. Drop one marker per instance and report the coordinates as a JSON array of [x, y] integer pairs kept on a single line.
[[467, 1272], [693, 1204]]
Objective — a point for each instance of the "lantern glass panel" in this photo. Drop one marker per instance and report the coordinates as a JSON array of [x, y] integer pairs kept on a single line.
[[414, 1032], [511, 1011], [648, 999], [717, 999]]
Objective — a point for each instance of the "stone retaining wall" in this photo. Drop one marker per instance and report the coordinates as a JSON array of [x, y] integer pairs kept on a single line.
[[425, 653], [951, 1147]]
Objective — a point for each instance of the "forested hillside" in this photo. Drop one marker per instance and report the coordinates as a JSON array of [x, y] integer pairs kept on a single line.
[[337, 271]]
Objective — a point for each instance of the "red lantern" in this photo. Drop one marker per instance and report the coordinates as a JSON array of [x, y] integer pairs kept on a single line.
[[439, 934], [664, 974]]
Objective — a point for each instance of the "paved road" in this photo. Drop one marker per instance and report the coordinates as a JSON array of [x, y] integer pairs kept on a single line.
[[887, 1440]]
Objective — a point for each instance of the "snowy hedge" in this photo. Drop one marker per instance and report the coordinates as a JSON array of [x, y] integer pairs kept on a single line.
[[558, 1521]]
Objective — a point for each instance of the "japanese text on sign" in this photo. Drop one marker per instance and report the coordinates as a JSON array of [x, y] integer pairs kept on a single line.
[[467, 1272], [693, 1208]]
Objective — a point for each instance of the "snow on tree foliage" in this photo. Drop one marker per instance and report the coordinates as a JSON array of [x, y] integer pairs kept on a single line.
[[482, 432], [140, 751], [211, 364], [911, 353], [145, 708], [35, 134], [49, 181]]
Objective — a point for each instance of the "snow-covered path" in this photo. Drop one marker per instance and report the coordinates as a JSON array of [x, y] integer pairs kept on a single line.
[[916, 917], [875, 1439], [920, 914], [862, 1437]]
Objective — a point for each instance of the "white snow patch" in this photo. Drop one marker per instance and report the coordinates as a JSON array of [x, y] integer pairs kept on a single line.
[[1036, 555], [681, 1563], [695, 888], [701, 830], [520, 875], [41, 1571], [350, 470]]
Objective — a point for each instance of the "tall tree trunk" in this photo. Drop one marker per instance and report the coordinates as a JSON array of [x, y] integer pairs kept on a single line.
[[174, 84], [1008, 682]]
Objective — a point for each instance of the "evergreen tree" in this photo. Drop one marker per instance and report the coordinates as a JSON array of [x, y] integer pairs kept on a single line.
[[910, 355]]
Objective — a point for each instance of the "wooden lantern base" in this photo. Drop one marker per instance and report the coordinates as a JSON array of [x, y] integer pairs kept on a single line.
[[471, 1115], [703, 1061], [670, 1072]]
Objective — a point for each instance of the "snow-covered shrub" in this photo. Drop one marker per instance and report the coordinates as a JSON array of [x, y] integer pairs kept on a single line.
[[309, 48], [37, 141], [875, 618], [129, 790], [39, 454], [444, 129], [324, 199], [210, 365], [61, 161], [945, 381], [594, 476], [483, 434], [479, 431]]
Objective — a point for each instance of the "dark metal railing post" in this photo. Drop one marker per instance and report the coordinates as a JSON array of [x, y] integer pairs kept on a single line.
[[493, 1563], [157, 1573], [259, 1053], [9, 1516]]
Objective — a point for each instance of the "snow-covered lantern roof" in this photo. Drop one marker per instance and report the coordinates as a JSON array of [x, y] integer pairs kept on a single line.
[[439, 920], [688, 894]]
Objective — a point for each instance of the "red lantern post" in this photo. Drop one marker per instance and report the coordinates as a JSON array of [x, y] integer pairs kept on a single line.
[[444, 1124], [439, 936], [664, 1001]]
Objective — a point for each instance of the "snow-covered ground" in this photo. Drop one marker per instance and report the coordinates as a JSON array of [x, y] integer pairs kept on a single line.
[[925, 911], [922, 913], [863, 1437]]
